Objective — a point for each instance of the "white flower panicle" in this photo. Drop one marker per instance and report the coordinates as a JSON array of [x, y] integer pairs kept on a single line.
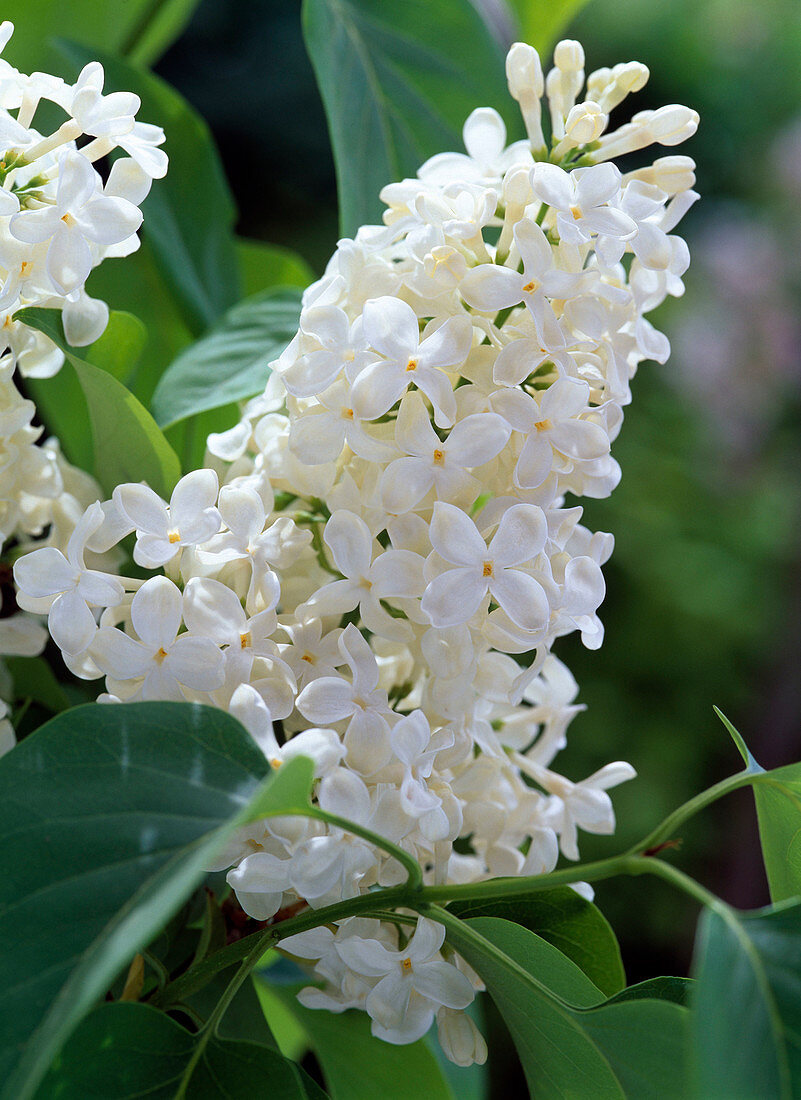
[[59, 218], [393, 547]]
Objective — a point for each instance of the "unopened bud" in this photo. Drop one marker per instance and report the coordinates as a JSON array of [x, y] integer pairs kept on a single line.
[[568, 56], [585, 123], [524, 76], [459, 1038], [524, 71], [673, 174], [516, 187], [673, 124]]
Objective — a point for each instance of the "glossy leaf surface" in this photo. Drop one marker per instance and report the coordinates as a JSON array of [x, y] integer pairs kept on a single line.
[[126, 443], [109, 817], [398, 82], [747, 1005], [232, 362]]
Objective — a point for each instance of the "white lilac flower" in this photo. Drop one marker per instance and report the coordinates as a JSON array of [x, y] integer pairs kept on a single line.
[[163, 531], [159, 662], [71, 589], [380, 580], [474, 570], [412, 984]]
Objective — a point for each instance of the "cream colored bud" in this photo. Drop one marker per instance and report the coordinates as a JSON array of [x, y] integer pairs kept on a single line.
[[673, 124], [674, 174], [568, 56], [598, 81], [460, 1039], [517, 187], [585, 123], [631, 76], [524, 71]]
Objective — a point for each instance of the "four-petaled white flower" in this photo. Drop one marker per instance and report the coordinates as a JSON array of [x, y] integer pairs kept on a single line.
[[159, 661], [162, 530], [434, 462], [474, 570], [81, 216], [392, 329], [76, 589], [366, 580], [582, 199], [412, 984], [361, 703]]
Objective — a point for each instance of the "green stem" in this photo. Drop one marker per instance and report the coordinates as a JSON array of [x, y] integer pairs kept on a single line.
[[683, 882], [515, 887], [413, 895], [200, 975], [675, 820], [220, 1009]]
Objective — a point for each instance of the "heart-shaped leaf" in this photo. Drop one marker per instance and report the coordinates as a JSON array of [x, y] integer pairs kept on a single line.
[[109, 817], [746, 1019], [130, 1050], [574, 1044], [568, 921]]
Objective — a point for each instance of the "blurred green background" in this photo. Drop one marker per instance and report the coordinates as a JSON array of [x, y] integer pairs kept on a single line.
[[704, 588]]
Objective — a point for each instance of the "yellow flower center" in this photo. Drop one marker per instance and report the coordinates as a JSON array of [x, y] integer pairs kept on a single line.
[[487, 569]]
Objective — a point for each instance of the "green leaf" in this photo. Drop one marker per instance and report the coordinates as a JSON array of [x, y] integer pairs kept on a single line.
[[109, 816], [166, 20], [120, 348], [33, 679], [131, 1050], [777, 794], [542, 22], [243, 1019], [126, 443], [288, 791], [678, 990], [232, 362], [134, 283], [571, 1045], [746, 1019], [189, 215], [398, 82], [739, 741], [355, 1065], [572, 924], [268, 265], [138, 27]]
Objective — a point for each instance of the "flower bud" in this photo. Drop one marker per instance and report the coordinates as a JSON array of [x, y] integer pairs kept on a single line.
[[673, 124], [672, 174], [523, 71], [568, 56], [460, 1039], [585, 123], [524, 76]]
